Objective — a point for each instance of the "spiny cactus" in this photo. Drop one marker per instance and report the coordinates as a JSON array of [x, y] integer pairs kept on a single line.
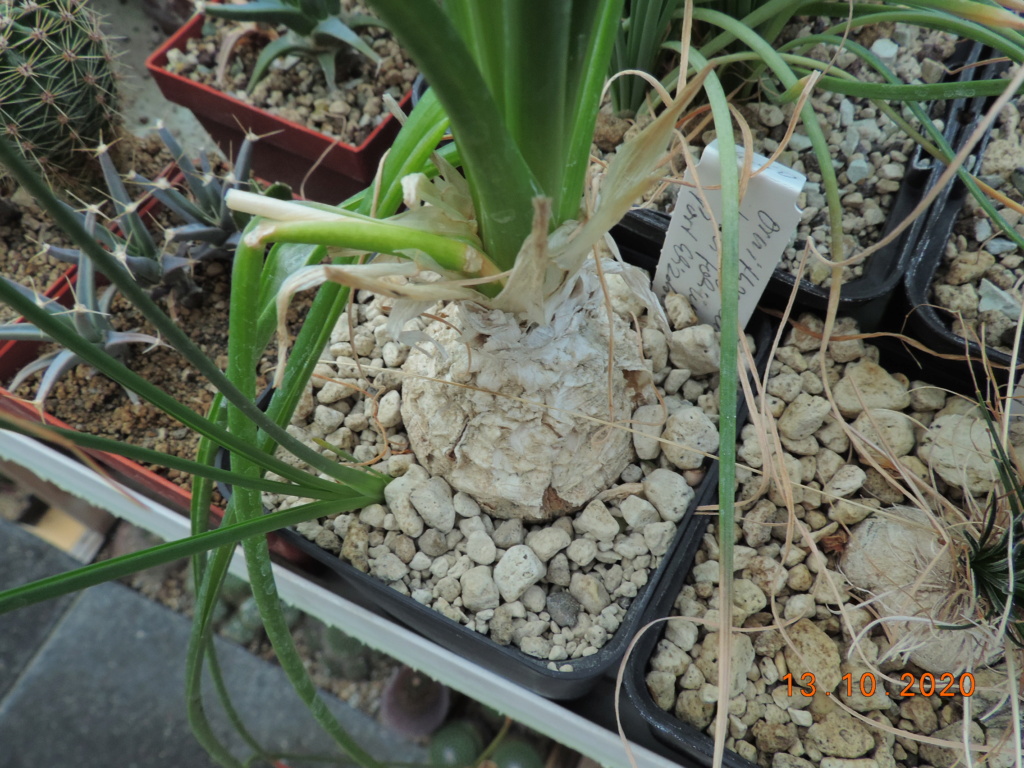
[[57, 81], [209, 228]]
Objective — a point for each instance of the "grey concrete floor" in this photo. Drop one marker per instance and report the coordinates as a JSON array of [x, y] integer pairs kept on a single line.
[[134, 36], [96, 680]]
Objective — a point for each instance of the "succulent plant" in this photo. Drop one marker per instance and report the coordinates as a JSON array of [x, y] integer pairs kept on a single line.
[[412, 704], [90, 316], [345, 655], [57, 81], [209, 229], [516, 753], [997, 554], [455, 745], [317, 29]]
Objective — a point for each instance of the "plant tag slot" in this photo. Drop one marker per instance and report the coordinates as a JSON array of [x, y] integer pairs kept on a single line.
[[768, 221]]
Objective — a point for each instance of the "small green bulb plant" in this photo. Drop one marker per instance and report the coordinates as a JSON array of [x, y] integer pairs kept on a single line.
[[943, 571], [996, 556], [317, 30]]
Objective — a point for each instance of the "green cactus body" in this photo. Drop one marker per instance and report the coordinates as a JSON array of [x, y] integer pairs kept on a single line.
[[57, 81]]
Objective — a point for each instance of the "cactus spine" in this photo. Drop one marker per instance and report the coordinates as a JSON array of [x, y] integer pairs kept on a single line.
[[57, 81]]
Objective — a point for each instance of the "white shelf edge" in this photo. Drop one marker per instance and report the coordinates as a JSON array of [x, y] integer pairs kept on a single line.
[[534, 711]]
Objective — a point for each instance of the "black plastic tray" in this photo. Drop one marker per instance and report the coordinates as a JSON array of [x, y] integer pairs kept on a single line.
[[865, 298], [648, 724], [682, 739], [510, 662], [926, 322]]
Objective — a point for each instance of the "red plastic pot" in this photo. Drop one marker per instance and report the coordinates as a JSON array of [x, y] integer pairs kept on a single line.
[[287, 151], [134, 475], [15, 355]]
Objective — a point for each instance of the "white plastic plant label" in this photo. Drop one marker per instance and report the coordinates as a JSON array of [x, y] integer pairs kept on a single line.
[[768, 220]]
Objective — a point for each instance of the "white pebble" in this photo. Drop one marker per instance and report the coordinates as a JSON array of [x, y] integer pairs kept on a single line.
[[389, 409], [480, 548], [518, 570]]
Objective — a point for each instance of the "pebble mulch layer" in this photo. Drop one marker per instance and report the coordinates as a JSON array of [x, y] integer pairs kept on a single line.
[[556, 591], [870, 153], [296, 90], [834, 489]]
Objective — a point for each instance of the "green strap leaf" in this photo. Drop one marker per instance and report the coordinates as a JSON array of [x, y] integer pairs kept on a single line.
[[501, 182], [280, 47], [170, 461], [265, 11], [335, 29], [107, 570]]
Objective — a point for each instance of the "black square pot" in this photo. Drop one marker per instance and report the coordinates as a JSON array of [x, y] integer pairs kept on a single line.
[[924, 321]]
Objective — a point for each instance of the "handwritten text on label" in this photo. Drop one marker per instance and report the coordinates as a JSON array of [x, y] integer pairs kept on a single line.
[[768, 219]]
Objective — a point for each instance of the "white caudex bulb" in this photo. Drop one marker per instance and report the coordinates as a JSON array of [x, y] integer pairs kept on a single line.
[[916, 583], [522, 398], [520, 416]]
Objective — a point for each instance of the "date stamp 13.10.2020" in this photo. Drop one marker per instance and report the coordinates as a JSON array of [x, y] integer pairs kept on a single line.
[[926, 684]]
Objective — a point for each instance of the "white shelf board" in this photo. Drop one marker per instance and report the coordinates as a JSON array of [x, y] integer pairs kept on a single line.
[[534, 711]]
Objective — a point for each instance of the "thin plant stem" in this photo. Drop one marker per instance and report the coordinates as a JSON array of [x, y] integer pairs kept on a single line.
[[242, 360], [199, 644], [728, 249], [108, 570], [810, 120]]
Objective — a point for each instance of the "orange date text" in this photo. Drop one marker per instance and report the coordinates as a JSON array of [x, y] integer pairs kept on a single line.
[[927, 684]]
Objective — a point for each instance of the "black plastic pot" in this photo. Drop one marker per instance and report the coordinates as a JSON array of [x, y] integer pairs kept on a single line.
[[865, 299], [419, 87], [680, 740], [510, 662], [925, 321]]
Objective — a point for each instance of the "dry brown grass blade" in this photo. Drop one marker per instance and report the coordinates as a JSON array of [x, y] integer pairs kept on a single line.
[[998, 196], [232, 40], [902, 338]]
